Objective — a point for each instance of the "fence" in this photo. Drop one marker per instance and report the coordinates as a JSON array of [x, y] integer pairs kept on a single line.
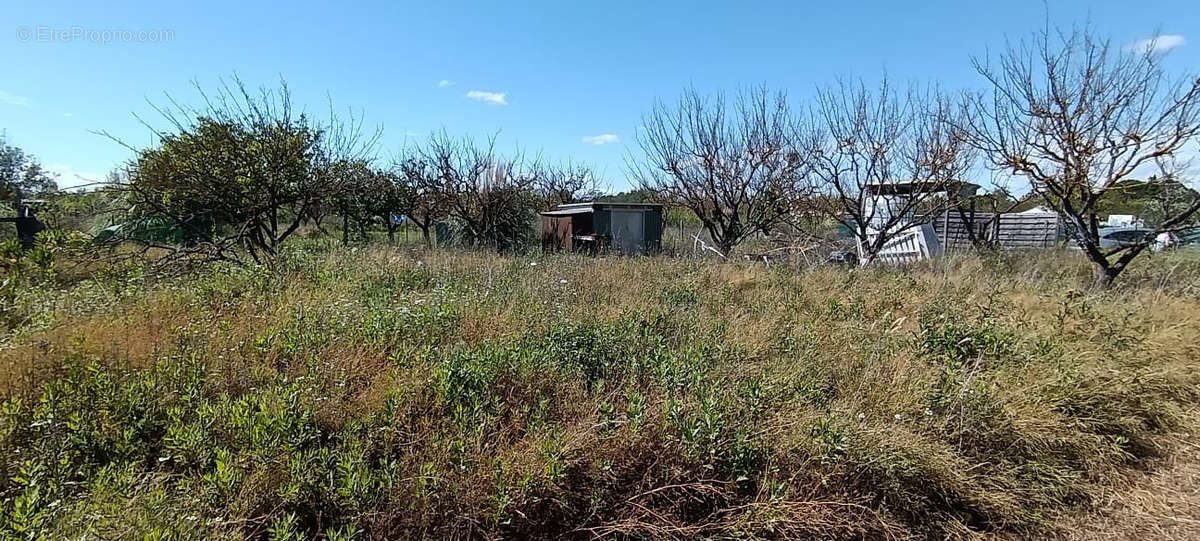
[[1011, 231]]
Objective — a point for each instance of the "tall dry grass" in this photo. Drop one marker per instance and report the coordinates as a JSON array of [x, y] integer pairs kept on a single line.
[[390, 393]]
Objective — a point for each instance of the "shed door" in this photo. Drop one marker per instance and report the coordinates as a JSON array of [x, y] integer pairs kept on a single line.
[[557, 233], [627, 232]]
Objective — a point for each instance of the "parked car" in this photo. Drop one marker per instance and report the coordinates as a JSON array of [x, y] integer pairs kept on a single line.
[[843, 257], [1116, 237]]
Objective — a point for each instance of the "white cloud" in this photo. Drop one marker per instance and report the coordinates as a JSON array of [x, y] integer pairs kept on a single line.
[[13, 99], [602, 139], [1158, 44], [69, 176], [493, 98], [445, 83]]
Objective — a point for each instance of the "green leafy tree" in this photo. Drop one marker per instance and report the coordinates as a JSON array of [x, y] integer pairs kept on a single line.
[[243, 174], [1153, 200], [22, 174], [365, 194]]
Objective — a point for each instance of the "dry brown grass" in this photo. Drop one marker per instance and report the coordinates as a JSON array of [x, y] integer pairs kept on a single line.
[[493, 396], [1158, 502]]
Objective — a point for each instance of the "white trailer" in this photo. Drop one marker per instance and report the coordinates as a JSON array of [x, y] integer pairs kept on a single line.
[[911, 239]]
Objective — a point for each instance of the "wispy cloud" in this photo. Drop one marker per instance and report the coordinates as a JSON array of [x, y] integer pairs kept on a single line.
[[602, 139], [1157, 44], [13, 99], [445, 83], [68, 115], [492, 98]]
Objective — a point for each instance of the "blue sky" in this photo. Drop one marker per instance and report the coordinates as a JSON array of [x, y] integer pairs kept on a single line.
[[567, 78]]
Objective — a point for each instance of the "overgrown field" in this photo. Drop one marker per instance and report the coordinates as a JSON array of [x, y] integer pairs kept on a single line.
[[388, 393]]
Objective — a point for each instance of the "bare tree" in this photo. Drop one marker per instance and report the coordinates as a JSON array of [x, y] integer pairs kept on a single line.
[[561, 183], [490, 196], [731, 166], [877, 157], [1075, 116], [423, 200]]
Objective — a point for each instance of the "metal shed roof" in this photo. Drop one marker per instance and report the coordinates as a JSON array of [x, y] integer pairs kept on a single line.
[[608, 204], [560, 211], [907, 187]]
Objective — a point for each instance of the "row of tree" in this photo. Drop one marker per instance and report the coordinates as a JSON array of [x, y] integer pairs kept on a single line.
[[241, 175], [1069, 114], [1073, 116]]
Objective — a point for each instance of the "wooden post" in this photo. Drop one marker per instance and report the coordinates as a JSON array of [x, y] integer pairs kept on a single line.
[[946, 231], [996, 228]]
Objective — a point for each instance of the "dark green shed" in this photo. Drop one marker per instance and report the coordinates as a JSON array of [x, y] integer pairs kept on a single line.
[[628, 228]]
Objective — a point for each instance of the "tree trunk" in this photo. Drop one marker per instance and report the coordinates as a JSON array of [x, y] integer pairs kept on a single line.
[[725, 247], [869, 250], [1105, 275]]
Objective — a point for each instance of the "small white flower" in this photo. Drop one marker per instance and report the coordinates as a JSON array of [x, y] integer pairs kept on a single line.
[[562, 281], [533, 263], [862, 416], [928, 412], [898, 416]]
